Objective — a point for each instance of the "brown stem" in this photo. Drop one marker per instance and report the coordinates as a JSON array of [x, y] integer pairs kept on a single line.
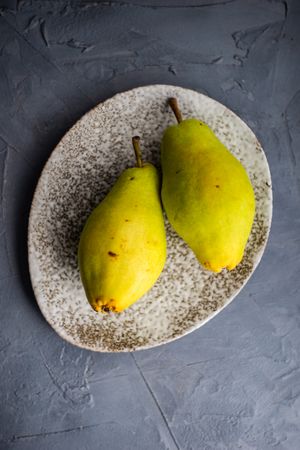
[[137, 150], [175, 108]]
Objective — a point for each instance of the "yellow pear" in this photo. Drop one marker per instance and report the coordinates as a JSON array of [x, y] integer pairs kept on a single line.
[[206, 193], [122, 248]]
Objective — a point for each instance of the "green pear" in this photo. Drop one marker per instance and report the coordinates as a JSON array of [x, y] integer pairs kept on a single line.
[[122, 248], [206, 193]]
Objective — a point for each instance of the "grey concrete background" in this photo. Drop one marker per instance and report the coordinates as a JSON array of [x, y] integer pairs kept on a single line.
[[233, 384]]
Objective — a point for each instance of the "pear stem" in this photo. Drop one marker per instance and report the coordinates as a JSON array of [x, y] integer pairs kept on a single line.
[[137, 150], [175, 108]]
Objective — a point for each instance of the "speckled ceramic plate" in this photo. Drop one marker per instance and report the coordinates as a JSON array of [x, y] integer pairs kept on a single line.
[[79, 173]]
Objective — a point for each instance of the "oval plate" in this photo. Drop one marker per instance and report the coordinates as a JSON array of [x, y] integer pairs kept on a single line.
[[78, 175]]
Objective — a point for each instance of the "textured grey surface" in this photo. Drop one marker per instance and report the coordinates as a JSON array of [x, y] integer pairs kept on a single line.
[[234, 383]]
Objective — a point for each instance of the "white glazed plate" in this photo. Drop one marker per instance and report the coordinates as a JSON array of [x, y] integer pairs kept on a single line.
[[78, 175]]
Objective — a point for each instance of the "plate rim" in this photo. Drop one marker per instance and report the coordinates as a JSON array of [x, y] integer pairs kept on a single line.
[[196, 326]]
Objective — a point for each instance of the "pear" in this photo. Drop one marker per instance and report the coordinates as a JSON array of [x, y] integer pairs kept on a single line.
[[206, 193], [122, 248]]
